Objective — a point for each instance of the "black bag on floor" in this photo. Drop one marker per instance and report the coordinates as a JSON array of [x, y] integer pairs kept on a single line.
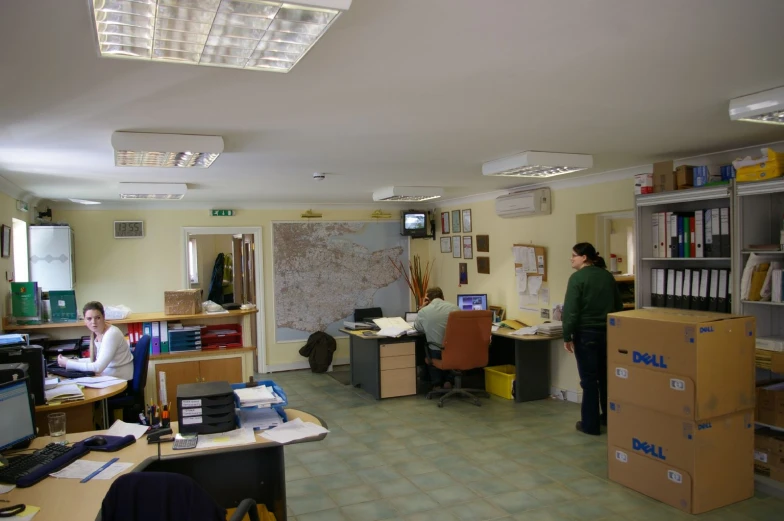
[[319, 349]]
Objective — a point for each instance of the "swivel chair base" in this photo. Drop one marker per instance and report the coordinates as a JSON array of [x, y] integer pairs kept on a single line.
[[458, 391]]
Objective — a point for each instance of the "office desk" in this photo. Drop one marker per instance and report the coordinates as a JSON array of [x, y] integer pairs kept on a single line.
[[79, 414], [532, 364], [228, 474], [382, 366]]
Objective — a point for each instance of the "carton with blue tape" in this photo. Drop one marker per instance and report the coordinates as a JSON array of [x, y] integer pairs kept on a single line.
[[690, 364]]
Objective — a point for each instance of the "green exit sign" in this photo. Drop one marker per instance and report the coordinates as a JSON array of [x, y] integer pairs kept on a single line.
[[222, 213]]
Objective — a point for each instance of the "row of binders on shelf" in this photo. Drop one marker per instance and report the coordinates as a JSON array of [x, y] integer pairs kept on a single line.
[[699, 289], [172, 337], [698, 234]]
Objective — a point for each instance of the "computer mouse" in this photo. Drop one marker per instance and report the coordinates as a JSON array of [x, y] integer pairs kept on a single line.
[[95, 441]]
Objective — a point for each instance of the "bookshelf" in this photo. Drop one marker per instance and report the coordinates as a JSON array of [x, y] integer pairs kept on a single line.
[[681, 201]]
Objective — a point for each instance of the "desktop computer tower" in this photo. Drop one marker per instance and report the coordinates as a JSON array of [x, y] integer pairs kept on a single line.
[[33, 356]]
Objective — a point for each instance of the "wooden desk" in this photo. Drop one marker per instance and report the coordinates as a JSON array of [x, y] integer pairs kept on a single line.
[[79, 414], [384, 367], [532, 364], [229, 475]]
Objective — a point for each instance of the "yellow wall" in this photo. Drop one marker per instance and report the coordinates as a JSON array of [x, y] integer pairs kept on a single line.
[[8, 211], [557, 232]]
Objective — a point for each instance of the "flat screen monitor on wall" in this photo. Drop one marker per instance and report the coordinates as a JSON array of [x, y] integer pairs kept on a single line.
[[472, 302], [413, 223]]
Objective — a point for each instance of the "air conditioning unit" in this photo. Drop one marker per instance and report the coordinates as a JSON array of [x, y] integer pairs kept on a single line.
[[522, 204]]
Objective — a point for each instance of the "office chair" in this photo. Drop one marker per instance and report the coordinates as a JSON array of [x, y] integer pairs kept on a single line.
[[165, 496], [466, 346], [361, 314], [132, 401]]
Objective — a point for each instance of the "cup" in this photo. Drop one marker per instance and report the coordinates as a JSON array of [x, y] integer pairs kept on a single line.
[[57, 427]]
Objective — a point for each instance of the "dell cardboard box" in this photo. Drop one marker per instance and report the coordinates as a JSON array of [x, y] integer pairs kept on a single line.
[[690, 364], [699, 465]]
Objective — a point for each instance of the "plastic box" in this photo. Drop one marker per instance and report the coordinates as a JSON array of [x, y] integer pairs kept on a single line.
[[769, 166], [278, 407], [499, 380]]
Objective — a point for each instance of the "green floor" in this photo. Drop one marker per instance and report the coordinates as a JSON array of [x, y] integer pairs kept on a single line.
[[404, 458]]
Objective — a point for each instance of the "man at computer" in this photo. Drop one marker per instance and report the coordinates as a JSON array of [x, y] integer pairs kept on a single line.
[[431, 320]]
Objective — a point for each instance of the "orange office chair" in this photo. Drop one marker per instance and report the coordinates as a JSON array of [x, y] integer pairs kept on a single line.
[[466, 346]]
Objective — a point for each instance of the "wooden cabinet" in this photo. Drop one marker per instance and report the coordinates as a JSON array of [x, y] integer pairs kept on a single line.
[[228, 369], [397, 368]]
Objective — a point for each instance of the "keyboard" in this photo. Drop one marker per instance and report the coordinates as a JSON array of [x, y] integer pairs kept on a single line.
[[27, 470], [65, 373]]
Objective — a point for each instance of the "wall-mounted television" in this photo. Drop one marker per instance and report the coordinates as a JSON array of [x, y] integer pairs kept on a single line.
[[413, 223]]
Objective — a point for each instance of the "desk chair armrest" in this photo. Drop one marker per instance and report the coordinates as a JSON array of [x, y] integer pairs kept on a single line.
[[246, 506]]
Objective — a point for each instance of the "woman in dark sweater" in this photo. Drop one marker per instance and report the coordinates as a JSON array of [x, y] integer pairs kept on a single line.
[[590, 295]]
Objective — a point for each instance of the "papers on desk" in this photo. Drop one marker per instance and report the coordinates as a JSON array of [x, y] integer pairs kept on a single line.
[[64, 393], [241, 436], [120, 428], [293, 431], [393, 327], [97, 382], [27, 514], [260, 396], [260, 419], [4, 489], [51, 383], [82, 468], [549, 329]]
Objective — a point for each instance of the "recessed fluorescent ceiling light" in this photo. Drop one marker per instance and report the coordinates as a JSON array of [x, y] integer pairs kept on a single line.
[[762, 107], [165, 150], [249, 34], [407, 193], [537, 164], [83, 201], [165, 191]]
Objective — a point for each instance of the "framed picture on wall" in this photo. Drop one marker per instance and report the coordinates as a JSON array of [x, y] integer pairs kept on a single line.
[[446, 244], [483, 243], [5, 241], [463, 273], [467, 221], [455, 221], [456, 247], [483, 265], [444, 222], [468, 247]]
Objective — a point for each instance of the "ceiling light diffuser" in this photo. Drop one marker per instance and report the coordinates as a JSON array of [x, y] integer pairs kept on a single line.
[[762, 107], [160, 191], [83, 201], [537, 164], [165, 150], [407, 193], [242, 34]]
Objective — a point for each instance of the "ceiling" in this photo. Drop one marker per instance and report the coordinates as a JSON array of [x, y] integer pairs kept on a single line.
[[398, 92]]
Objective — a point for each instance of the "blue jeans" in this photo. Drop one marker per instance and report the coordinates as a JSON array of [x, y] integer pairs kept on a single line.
[[590, 351]]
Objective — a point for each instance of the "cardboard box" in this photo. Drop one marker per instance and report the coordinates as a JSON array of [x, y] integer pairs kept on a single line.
[[691, 364], [770, 404], [684, 177], [643, 184], [715, 455], [767, 463], [663, 177], [769, 441], [182, 302]]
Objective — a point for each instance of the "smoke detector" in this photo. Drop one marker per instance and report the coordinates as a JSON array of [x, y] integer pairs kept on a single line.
[[319, 176]]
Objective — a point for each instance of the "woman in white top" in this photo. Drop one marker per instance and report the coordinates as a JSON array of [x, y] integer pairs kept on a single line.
[[110, 353]]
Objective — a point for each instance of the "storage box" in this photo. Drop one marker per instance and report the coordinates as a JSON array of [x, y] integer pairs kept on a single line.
[[182, 302], [690, 364], [769, 441], [768, 166], [684, 177], [643, 184], [499, 380], [714, 455], [767, 463], [663, 177], [770, 404]]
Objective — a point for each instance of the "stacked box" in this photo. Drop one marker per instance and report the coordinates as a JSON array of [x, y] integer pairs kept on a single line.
[[681, 406], [769, 453], [770, 404]]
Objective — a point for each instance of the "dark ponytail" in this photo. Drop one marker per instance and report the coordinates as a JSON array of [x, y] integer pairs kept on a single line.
[[592, 256]]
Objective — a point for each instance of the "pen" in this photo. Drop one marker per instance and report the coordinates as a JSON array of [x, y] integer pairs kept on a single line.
[[103, 467]]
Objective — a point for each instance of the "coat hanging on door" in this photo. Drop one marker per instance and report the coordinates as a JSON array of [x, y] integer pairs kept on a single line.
[[216, 283]]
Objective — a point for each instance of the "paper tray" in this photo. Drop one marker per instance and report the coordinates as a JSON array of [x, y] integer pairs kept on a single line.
[[275, 387]]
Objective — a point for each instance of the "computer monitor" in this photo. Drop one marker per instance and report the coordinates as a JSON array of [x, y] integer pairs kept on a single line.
[[33, 356], [472, 302], [16, 409]]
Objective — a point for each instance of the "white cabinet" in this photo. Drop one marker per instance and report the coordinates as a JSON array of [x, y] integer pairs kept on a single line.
[[52, 257]]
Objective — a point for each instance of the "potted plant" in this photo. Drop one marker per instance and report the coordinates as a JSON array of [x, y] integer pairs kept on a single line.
[[416, 277]]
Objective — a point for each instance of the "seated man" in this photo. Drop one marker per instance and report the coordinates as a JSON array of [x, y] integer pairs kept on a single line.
[[431, 320]]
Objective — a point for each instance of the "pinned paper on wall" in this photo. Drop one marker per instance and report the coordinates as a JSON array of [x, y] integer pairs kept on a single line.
[[531, 258], [544, 296], [540, 264], [519, 254], [522, 280], [534, 283]]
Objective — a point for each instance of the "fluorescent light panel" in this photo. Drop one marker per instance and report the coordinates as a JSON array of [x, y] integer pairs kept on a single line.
[[83, 201], [165, 150], [160, 191], [762, 107], [537, 164], [241, 34], [407, 193]]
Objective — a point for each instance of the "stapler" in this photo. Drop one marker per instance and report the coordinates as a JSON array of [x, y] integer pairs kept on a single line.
[[160, 436]]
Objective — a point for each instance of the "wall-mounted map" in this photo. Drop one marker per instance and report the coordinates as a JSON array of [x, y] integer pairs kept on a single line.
[[323, 270]]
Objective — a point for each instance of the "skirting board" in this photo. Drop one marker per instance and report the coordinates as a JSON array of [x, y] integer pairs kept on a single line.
[[565, 394], [303, 364]]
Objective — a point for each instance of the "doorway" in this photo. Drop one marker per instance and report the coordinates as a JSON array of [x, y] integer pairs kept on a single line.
[[235, 278]]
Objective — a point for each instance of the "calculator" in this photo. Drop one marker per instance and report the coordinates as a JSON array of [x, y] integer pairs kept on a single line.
[[187, 441]]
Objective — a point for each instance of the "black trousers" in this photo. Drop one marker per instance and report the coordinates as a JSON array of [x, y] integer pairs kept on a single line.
[[590, 350], [436, 374]]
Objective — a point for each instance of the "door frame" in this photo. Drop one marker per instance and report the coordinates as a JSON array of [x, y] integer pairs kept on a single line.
[[187, 231]]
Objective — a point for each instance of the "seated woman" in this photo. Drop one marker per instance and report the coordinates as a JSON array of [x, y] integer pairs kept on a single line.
[[110, 353]]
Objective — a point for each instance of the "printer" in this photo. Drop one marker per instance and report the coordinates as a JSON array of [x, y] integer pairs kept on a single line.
[[206, 407]]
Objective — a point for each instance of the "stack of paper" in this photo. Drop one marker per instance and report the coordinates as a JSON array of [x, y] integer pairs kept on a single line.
[[64, 393], [241, 436], [260, 419], [550, 328], [294, 430], [51, 383], [393, 327], [97, 382], [261, 396]]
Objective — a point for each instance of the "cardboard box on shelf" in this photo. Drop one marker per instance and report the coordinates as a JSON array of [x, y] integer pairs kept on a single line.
[[690, 364], [715, 454], [182, 302], [663, 177], [684, 177], [769, 441], [770, 404], [769, 464], [643, 184]]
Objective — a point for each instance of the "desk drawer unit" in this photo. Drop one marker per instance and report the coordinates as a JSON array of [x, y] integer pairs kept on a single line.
[[397, 362], [398, 349], [397, 368]]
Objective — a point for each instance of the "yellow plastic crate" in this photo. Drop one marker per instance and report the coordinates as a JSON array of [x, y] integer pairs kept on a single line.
[[499, 380], [759, 171]]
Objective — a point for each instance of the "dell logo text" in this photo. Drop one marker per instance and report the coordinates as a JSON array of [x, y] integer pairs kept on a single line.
[[708, 329], [648, 448], [649, 359]]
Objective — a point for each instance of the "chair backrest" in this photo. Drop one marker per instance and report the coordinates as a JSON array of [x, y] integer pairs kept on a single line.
[[360, 314], [466, 340], [141, 357]]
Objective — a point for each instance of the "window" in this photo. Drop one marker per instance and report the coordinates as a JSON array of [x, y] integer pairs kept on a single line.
[[19, 245], [193, 262]]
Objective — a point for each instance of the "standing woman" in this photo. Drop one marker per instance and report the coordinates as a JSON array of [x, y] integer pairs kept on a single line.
[[110, 354], [591, 294]]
